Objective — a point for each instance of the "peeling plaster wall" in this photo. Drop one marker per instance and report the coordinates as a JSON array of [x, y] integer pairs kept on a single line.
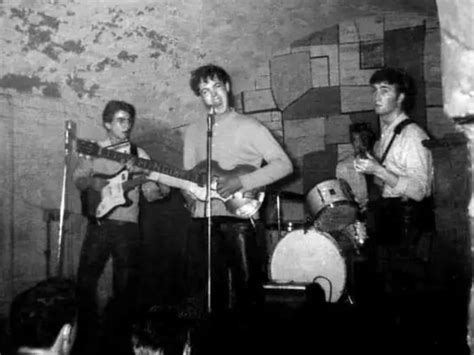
[[63, 59], [457, 49]]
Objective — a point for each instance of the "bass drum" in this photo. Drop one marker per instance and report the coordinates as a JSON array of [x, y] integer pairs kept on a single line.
[[307, 256]]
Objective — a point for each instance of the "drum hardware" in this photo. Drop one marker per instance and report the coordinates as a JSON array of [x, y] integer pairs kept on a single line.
[[358, 231], [287, 195]]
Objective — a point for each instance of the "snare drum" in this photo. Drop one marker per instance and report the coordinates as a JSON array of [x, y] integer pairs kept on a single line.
[[307, 256], [332, 205]]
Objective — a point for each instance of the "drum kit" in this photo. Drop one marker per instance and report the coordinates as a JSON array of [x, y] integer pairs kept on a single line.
[[319, 248]]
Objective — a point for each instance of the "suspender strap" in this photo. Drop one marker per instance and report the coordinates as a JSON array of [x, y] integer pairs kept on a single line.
[[396, 132], [133, 150]]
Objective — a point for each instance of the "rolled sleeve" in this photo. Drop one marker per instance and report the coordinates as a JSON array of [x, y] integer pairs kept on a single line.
[[412, 163]]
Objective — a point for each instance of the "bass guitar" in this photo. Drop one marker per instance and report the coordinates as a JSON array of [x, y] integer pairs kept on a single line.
[[240, 204]]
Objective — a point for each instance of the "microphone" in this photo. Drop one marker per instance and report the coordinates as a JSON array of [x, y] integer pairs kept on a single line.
[[210, 119]]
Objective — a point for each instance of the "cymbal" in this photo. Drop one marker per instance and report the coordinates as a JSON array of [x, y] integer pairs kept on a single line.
[[288, 195]]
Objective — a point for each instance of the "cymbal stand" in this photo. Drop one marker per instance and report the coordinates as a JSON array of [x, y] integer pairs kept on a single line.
[[278, 204]]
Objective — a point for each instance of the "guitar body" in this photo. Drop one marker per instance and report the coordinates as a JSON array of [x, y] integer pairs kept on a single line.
[[241, 204], [113, 195]]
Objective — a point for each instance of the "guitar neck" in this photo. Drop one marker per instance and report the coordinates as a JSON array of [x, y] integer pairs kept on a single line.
[[152, 166]]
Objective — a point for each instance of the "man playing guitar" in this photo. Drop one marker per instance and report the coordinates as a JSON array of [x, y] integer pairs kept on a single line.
[[115, 235], [237, 140]]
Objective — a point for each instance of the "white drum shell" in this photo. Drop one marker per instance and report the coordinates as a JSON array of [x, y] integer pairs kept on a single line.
[[304, 257]]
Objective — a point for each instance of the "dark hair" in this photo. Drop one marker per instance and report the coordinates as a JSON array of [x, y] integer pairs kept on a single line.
[[113, 107], [365, 132], [160, 328], [38, 314], [210, 72], [404, 84]]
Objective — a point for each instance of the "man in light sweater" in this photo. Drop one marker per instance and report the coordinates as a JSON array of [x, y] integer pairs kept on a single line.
[[236, 140]]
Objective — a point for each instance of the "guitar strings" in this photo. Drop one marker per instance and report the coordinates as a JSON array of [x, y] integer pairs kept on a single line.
[[118, 144]]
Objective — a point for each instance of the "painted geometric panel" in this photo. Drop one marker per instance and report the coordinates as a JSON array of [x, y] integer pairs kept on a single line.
[[371, 55], [348, 32], [350, 68], [369, 117], [262, 80], [319, 166], [356, 98], [258, 100], [329, 35], [271, 120], [300, 49], [332, 52], [396, 21], [432, 55], [290, 77], [304, 136], [238, 102], [337, 129], [432, 67], [438, 123], [370, 28], [316, 102], [362, 29], [344, 151], [320, 71], [410, 58], [433, 94]]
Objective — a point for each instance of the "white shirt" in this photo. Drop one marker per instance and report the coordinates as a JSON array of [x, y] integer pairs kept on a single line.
[[407, 158]]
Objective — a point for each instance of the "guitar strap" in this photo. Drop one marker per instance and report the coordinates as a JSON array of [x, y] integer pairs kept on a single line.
[[134, 153], [374, 190], [396, 132], [133, 150]]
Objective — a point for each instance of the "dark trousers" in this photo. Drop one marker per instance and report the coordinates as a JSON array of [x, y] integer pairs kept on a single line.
[[396, 227], [121, 241], [234, 263]]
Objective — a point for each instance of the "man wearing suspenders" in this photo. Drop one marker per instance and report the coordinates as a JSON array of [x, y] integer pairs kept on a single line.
[[402, 168]]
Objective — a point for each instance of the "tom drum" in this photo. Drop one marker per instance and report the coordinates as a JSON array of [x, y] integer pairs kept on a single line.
[[332, 205]]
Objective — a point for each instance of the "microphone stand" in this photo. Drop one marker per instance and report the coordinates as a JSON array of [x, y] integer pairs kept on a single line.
[[70, 130], [210, 123]]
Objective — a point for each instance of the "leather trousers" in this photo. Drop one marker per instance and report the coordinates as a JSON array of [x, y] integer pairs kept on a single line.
[[234, 262]]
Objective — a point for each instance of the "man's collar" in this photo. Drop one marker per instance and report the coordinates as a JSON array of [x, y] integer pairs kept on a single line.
[[391, 126], [225, 115]]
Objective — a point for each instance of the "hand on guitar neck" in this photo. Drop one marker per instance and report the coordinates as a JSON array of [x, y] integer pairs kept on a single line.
[[226, 185], [97, 183]]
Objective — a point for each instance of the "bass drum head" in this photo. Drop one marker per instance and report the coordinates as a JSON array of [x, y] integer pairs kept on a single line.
[[304, 257]]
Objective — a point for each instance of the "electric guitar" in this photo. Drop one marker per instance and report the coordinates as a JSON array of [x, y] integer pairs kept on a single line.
[[240, 204], [97, 204]]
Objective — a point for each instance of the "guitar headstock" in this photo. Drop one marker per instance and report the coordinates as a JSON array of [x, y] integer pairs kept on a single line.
[[87, 148]]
